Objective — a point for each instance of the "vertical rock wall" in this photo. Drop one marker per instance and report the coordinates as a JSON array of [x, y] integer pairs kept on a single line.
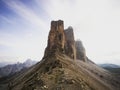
[[70, 43], [56, 38], [80, 51], [62, 41]]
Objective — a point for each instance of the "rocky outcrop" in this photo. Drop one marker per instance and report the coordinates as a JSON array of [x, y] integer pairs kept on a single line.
[[56, 38], [70, 49], [60, 40], [80, 51]]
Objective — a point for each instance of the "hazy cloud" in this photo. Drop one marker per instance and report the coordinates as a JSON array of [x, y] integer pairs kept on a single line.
[[95, 22], [26, 13]]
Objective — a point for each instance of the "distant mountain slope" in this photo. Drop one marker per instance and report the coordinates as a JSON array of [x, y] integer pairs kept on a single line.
[[2, 64], [115, 69], [13, 68], [109, 65]]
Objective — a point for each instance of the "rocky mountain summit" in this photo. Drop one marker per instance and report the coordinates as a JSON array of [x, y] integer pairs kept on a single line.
[[60, 40], [64, 66]]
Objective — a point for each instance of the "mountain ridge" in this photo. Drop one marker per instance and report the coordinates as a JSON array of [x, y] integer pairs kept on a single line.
[[109, 65], [11, 69]]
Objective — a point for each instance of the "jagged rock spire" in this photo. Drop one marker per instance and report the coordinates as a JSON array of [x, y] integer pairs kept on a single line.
[[80, 51], [60, 40], [70, 49], [56, 38]]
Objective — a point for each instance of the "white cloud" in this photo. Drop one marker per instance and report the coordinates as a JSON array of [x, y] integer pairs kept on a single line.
[[6, 19], [23, 48], [95, 22], [26, 13], [27, 44]]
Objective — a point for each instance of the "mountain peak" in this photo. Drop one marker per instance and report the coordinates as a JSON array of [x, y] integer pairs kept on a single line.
[[56, 38], [60, 40], [80, 51], [70, 49]]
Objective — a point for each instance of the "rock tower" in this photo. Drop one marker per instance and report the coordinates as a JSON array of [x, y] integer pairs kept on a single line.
[[60, 40]]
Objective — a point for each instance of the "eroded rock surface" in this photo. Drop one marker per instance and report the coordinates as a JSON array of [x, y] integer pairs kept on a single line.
[[60, 40], [70, 49], [56, 38], [80, 51]]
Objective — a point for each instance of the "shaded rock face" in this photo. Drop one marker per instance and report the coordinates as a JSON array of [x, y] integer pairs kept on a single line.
[[70, 43], [80, 51], [60, 40]]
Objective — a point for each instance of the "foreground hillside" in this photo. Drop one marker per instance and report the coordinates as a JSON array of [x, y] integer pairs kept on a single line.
[[62, 73]]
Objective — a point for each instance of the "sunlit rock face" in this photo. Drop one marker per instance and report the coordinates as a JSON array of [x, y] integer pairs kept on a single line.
[[56, 38], [80, 51], [60, 40]]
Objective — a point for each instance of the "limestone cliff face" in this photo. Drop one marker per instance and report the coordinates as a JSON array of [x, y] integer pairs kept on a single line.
[[80, 51], [70, 43], [56, 38], [60, 40]]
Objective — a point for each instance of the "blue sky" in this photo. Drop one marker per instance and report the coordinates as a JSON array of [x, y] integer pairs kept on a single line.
[[25, 25]]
